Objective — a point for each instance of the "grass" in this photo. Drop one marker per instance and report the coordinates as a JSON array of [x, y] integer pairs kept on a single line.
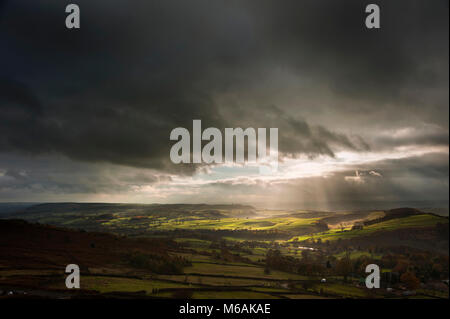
[[303, 296], [194, 242], [269, 290], [357, 254], [212, 281], [433, 293], [254, 258], [238, 271], [206, 271], [197, 222], [231, 295], [416, 221], [110, 284], [287, 223], [30, 272], [341, 290], [194, 257]]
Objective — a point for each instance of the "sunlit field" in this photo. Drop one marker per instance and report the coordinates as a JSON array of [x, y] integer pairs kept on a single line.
[[214, 253]]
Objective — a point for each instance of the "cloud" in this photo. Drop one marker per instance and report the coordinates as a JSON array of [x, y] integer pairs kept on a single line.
[[357, 178], [56, 178], [361, 176], [112, 92], [375, 174], [109, 94], [408, 179]]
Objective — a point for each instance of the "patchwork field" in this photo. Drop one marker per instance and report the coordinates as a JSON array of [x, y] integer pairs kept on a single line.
[[417, 221], [234, 251]]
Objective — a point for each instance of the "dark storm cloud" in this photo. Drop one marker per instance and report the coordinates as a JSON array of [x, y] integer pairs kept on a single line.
[[48, 176], [113, 90], [329, 40], [297, 136]]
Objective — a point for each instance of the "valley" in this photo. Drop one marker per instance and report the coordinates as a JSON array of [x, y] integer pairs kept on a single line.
[[221, 251]]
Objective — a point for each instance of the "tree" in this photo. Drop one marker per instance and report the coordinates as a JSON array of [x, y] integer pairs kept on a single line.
[[410, 280], [307, 285], [305, 256], [401, 266], [344, 266], [436, 271]]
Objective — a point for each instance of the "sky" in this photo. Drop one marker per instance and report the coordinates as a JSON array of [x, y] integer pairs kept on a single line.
[[86, 114]]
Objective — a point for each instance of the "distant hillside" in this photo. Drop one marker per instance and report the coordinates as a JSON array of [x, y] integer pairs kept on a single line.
[[104, 216], [87, 209], [8, 208], [27, 245], [396, 213], [402, 212]]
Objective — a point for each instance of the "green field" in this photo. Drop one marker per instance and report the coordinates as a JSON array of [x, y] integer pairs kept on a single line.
[[244, 253], [238, 271], [417, 221], [105, 284], [346, 291], [162, 223]]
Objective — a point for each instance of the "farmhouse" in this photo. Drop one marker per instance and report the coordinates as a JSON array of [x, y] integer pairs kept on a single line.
[[358, 226]]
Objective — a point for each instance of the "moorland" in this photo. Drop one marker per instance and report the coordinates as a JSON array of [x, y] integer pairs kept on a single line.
[[221, 251]]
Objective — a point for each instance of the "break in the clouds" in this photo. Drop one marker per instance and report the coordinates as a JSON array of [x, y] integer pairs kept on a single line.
[[86, 114]]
